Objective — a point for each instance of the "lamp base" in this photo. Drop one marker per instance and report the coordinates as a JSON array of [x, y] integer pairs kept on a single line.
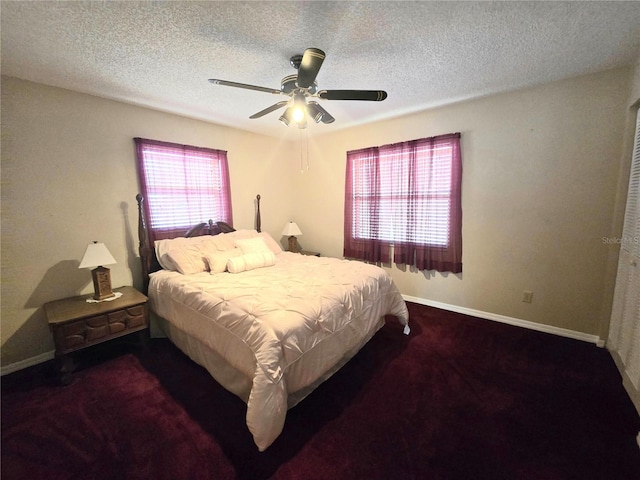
[[101, 283], [293, 244]]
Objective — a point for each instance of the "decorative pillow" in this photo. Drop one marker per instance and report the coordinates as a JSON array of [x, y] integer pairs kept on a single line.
[[271, 243], [253, 245], [218, 261], [251, 261]]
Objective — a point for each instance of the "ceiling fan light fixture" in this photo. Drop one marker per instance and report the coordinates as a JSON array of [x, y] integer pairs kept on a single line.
[[287, 116], [314, 112], [299, 107], [298, 114], [284, 120]]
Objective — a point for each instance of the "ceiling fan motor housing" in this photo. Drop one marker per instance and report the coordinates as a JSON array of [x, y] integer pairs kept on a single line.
[[289, 85]]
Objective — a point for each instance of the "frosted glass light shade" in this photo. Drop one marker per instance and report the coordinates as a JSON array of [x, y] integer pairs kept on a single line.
[[96, 255], [291, 229]]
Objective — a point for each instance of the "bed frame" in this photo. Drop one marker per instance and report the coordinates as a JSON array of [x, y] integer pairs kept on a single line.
[[147, 252]]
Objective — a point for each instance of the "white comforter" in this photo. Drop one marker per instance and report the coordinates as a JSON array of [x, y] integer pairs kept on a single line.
[[285, 327]]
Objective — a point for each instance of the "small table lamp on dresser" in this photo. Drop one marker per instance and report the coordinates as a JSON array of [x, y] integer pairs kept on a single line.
[[291, 230], [96, 256]]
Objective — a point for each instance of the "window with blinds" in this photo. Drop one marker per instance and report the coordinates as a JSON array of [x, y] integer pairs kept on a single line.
[[403, 194], [182, 185], [406, 196]]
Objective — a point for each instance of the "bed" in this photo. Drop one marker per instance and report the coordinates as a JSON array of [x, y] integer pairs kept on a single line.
[[268, 325]]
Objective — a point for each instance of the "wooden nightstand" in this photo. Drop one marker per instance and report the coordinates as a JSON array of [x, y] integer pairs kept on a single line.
[[77, 324], [307, 252]]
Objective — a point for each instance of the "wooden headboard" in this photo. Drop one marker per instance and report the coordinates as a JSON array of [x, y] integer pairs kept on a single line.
[[147, 251]]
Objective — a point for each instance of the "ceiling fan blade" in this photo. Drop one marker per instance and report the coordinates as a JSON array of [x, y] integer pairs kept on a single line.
[[366, 95], [309, 67], [326, 117], [270, 109], [243, 85]]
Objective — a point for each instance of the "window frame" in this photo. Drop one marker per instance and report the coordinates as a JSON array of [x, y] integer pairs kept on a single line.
[[182, 181], [391, 173]]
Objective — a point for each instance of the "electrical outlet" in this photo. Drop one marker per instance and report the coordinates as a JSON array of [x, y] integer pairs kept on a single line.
[[527, 296]]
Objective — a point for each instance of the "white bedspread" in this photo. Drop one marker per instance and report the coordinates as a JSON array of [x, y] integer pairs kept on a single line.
[[284, 327]]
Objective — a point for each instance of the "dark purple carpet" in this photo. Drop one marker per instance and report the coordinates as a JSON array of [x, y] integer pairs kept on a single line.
[[460, 398]]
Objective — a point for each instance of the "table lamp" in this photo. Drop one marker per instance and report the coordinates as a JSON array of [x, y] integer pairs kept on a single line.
[[95, 257], [291, 230]]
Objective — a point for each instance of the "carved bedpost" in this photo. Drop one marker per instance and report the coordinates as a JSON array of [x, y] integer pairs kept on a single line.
[[143, 247], [258, 220]]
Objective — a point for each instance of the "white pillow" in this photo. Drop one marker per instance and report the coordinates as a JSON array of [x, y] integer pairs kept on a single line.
[[216, 243], [253, 245], [251, 261], [218, 261], [162, 248]]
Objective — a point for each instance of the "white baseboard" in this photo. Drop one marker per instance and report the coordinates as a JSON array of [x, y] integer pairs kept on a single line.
[[29, 362], [563, 332]]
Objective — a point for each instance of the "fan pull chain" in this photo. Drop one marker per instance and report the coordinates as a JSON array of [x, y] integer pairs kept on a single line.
[[304, 149], [307, 146], [300, 143]]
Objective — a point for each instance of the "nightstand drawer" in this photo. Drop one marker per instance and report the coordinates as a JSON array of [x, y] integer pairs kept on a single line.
[[127, 319], [75, 335]]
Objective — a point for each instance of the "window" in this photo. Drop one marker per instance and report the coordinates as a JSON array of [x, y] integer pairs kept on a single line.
[[182, 186], [406, 195]]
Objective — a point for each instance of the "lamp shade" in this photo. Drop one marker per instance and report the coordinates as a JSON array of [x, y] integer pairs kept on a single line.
[[96, 255], [291, 229]]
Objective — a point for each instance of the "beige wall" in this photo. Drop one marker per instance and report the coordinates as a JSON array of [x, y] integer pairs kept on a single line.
[[541, 173], [69, 177], [540, 176], [634, 97]]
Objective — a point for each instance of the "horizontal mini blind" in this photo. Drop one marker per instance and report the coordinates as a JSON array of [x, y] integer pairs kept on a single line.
[[183, 185], [411, 180]]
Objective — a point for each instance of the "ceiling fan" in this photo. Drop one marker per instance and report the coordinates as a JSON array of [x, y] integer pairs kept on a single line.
[[301, 86]]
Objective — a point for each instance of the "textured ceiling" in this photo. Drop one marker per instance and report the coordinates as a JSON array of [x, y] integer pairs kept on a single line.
[[424, 54]]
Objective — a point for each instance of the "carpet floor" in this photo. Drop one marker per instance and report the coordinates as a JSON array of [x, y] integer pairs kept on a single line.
[[459, 398]]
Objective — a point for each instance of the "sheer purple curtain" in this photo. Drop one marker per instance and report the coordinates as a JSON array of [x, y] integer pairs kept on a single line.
[[362, 210], [406, 195], [182, 186]]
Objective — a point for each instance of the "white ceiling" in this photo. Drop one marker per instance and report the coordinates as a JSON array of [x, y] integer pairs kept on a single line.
[[424, 54]]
